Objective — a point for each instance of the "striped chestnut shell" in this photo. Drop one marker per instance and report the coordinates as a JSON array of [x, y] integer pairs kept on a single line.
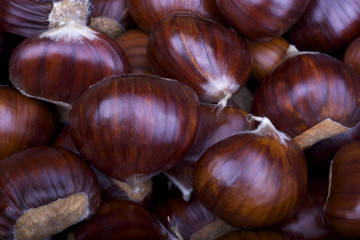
[[310, 97], [44, 190], [132, 127]]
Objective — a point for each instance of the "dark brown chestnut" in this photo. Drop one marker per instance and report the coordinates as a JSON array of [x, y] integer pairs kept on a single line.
[[343, 199], [189, 219], [203, 54], [24, 122], [352, 55], [44, 190], [211, 129], [262, 20], [59, 64], [327, 26], [119, 219], [134, 43], [28, 18], [148, 13], [303, 96], [132, 127], [254, 179]]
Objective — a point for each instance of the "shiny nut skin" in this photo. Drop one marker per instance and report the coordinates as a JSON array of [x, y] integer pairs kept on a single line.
[[352, 55], [59, 70], [24, 122], [134, 125], [343, 198], [320, 28], [148, 13], [115, 9], [39, 176], [262, 20], [201, 53], [251, 181]]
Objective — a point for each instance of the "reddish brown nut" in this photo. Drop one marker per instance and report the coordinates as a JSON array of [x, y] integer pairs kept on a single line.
[[343, 200], [24, 122], [254, 179], [352, 55], [262, 20], [303, 94], [132, 127], [148, 13], [119, 219], [44, 190], [203, 54], [59, 64], [28, 18]]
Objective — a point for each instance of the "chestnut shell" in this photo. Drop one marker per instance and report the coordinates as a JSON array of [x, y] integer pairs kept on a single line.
[[24, 122], [134, 125], [39, 176]]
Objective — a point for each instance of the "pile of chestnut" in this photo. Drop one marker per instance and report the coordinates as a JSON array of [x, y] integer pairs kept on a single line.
[[173, 120]]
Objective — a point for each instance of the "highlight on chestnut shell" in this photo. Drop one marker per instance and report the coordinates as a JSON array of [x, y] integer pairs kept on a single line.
[[201, 53], [303, 96], [132, 127], [253, 179], [44, 190]]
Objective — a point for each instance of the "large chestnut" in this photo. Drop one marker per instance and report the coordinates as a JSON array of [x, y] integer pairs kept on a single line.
[[44, 190], [343, 199], [28, 18], [253, 179], [210, 58], [148, 13], [24, 122], [132, 127], [327, 26], [59, 64], [119, 219], [262, 20], [310, 97], [212, 128]]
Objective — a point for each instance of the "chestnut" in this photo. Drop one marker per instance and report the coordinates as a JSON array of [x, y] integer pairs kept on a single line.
[[342, 203], [262, 20], [61, 63], [211, 129], [303, 94], [352, 55], [132, 127], [119, 219], [203, 54], [134, 43], [44, 190], [254, 179], [148, 13], [28, 18], [327, 26], [24, 122]]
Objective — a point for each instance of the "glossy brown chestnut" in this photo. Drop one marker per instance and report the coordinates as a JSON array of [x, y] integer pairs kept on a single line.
[[132, 127], [148, 13], [343, 200], [266, 55], [24, 122], [253, 235], [352, 55], [28, 18], [205, 55], [254, 179], [327, 26], [189, 219], [119, 219], [59, 64], [43, 191], [262, 20], [310, 222], [134, 43], [211, 129], [304, 94]]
